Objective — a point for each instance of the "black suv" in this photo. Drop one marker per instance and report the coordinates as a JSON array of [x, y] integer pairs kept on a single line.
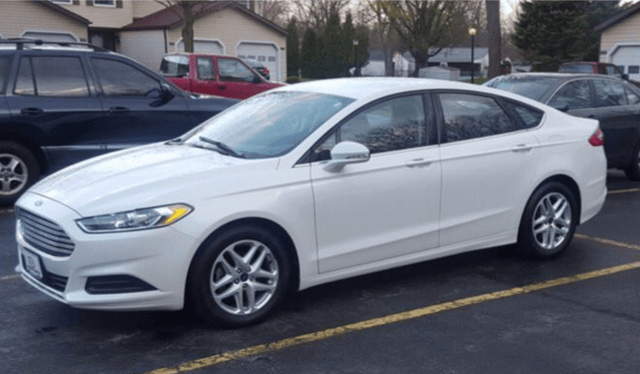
[[64, 102]]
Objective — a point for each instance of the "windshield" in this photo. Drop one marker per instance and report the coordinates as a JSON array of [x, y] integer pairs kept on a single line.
[[268, 125], [529, 86]]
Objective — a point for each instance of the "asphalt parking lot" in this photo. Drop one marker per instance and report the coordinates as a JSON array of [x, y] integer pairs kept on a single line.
[[483, 312]]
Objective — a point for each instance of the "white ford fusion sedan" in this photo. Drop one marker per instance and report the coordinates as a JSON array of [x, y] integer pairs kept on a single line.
[[308, 184]]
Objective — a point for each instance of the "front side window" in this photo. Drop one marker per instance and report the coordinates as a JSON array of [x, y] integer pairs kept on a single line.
[[52, 76], [388, 126], [120, 79], [473, 116], [609, 93], [205, 68], [268, 125], [232, 70], [632, 97], [575, 94]]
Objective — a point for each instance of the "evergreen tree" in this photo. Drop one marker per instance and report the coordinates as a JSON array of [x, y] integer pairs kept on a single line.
[[293, 49], [362, 36], [348, 49], [333, 52], [309, 54], [551, 32]]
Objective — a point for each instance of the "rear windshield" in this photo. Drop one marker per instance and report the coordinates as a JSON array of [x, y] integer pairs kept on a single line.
[[529, 86], [576, 68], [175, 66]]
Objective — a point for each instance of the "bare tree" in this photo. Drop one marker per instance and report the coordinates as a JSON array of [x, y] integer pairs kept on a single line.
[[276, 11], [186, 10], [425, 26], [316, 13], [383, 36]]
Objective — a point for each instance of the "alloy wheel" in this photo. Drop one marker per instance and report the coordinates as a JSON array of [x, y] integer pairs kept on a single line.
[[14, 174], [244, 277], [551, 220]]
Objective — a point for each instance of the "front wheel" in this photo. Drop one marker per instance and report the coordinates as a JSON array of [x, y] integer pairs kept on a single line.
[[633, 170], [239, 277], [18, 170], [548, 222]]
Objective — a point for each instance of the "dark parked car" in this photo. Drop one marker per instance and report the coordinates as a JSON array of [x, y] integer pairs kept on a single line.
[[259, 67], [612, 101], [589, 67], [64, 102]]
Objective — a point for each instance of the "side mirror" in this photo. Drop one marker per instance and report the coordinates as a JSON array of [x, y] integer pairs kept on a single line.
[[345, 153], [625, 77], [161, 95]]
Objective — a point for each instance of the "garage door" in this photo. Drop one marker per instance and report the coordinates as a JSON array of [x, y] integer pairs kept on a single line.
[[50, 36], [629, 57], [203, 46], [265, 53]]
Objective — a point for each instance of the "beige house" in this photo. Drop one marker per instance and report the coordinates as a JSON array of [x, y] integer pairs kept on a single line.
[[620, 41], [145, 30], [226, 28], [41, 20]]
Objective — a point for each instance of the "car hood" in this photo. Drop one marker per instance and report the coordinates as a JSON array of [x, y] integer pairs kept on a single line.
[[147, 176]]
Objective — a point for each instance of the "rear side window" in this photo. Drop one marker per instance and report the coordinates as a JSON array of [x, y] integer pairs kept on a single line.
[[473, 116], [609, 93], [175, 66], [120, 79], [530, 117], [5, 65], [575, 94], [632, 97], [51, 77], [205, 68]]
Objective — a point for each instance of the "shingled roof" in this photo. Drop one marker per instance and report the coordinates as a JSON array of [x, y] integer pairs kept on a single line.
[[629, 11], [171, 17]]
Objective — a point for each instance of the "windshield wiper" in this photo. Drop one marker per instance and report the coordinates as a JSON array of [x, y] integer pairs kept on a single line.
[[222, 148]]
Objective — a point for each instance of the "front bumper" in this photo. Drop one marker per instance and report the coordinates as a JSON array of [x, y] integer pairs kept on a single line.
[[158, 258]]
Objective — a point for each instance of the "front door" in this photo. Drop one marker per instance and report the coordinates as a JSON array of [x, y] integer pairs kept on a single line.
[[388, 206]]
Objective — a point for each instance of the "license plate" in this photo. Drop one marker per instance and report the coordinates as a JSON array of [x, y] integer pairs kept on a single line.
[[32, 264]]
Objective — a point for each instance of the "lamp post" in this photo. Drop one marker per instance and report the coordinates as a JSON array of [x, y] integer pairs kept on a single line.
[[472, 32], [355, 52]]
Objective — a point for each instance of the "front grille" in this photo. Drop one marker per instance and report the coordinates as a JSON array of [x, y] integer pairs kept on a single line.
[[43, 234]]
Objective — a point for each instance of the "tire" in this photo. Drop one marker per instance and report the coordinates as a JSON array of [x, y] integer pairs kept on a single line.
[[633, 170], [19, 169], [548, 222], [250, 286]]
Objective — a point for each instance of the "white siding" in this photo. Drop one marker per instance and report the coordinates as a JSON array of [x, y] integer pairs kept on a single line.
[[17, 16]]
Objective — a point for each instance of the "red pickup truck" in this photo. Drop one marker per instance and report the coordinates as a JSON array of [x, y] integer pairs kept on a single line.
[[225, 76]]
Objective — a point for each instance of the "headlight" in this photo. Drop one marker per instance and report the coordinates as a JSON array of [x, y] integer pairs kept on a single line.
[[135, 220]]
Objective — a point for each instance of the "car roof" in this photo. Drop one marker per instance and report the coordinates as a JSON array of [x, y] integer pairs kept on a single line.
[[359, 88], [559, 76]]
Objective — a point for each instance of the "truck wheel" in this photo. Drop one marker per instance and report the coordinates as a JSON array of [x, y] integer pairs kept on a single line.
[[19, 169]]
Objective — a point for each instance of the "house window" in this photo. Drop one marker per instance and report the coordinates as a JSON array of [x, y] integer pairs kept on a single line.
[[634, 69], [61, 1], [107, 3]]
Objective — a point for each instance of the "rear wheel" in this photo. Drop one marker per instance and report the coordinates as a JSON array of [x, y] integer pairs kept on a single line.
[[18, 170], [239, 277], [549, 221], [633, 171]]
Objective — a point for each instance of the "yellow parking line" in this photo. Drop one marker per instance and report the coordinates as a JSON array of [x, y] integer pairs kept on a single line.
[[393, 318], [607, 242], [624, 191], [9, 277]]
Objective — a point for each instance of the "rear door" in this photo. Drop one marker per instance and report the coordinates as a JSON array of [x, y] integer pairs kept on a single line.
[[484, 140], [53, 102]]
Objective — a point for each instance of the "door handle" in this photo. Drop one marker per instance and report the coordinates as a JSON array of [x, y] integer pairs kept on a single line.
[[418, 162], [118, 110], [521, 148], [32, 111]]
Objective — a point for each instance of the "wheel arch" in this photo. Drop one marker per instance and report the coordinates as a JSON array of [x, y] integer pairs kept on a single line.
[[270, 225], [24, 141], [570, 183]]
